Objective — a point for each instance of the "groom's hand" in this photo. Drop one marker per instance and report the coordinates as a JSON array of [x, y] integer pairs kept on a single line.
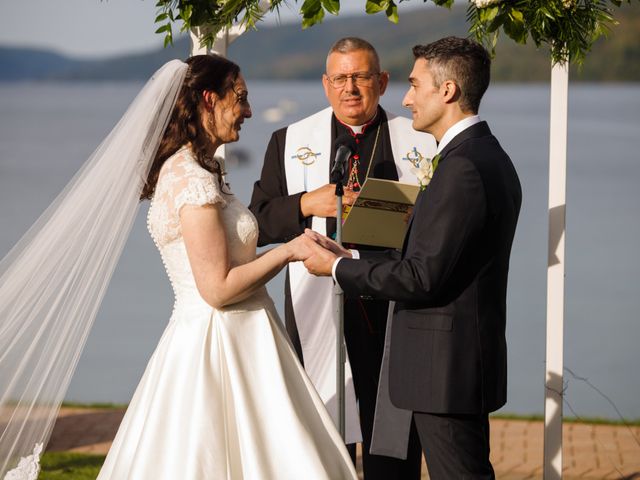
[[320, 262]]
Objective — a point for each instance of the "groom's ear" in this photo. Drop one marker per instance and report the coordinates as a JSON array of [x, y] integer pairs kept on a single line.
[[450, 91]]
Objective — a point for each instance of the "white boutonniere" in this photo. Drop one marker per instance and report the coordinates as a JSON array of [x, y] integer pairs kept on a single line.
[[423, 168]]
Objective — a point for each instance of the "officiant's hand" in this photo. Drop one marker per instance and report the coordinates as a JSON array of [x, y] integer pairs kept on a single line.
[[321, 261], [328, 244], [322, 201], [407, 216]]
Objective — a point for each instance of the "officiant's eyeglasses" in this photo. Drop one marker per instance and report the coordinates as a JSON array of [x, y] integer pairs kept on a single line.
[[362, 79]]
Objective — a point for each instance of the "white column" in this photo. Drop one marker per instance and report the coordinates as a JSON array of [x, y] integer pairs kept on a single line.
[[224, 38], [196, 35], [556, 272]]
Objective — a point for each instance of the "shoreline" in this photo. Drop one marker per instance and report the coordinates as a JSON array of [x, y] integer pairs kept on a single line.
[[590, 450], [534, 417]]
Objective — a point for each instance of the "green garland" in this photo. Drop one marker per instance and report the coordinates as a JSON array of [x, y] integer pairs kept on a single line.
[[213, 16], [568, 27]]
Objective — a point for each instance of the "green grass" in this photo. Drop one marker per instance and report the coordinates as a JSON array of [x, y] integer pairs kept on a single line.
[[70, 466]]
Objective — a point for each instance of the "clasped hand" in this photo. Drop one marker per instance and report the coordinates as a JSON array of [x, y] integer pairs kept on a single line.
[[317, 252]]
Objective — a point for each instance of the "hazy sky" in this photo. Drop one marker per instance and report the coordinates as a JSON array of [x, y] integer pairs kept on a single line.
[[83, 28]]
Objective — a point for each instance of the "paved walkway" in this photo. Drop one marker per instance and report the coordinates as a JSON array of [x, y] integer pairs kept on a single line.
[[590, 451]]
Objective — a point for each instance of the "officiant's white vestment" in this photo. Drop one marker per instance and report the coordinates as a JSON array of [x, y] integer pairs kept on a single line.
[[307, 166]]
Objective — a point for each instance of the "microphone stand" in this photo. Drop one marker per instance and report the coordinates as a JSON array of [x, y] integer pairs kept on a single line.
[[339, 315], [346, 146]]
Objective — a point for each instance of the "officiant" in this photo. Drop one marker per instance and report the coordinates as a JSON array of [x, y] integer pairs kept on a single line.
[[294, 193]]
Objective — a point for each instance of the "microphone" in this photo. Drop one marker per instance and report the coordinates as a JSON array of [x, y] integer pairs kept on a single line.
[[346, 146]]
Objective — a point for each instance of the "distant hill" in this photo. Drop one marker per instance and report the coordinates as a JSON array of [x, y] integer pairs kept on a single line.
[[29, 63], [40, 65], [287, 52]]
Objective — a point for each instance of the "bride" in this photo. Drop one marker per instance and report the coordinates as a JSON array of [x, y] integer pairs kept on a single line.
[[223, 396]]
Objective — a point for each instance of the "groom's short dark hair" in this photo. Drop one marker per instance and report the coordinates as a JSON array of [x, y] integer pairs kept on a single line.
[[464, 61]]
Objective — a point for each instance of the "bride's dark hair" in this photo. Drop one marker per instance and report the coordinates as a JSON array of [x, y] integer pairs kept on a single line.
[[206, 72]]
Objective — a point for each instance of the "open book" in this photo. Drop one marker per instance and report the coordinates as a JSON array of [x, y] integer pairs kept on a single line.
[[380, 214]]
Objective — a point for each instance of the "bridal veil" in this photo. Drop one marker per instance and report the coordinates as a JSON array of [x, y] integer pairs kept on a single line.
[[53, 281]]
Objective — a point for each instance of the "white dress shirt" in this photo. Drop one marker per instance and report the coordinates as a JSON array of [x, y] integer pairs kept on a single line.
[[455, 129]]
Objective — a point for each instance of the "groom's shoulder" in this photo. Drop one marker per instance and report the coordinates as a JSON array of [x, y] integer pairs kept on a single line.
[[476, 143], [482, 155]]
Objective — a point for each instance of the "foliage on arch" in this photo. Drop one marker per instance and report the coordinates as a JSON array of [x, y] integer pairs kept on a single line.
[[567, 27]]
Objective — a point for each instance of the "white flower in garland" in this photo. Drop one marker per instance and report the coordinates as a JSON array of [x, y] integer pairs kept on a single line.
[[484, 3]]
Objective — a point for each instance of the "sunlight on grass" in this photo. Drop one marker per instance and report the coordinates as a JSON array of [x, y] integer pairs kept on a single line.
[[70, 466]]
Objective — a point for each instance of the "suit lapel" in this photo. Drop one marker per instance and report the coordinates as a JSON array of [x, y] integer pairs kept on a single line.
[[480, 129]]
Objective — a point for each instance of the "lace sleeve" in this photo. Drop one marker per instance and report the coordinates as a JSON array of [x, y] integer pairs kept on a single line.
[[198, 188], [182, 181], [187, 183]]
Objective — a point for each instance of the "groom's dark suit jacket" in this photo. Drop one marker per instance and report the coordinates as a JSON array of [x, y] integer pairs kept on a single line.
[[448, 348]]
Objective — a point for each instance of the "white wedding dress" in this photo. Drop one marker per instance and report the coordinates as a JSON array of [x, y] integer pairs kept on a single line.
[[223, 396]]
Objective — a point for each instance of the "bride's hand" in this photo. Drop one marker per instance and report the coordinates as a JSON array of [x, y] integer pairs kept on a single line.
[[300, 248], [328, 244]]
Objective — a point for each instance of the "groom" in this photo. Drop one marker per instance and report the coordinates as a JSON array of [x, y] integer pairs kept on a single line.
[[448, 354]]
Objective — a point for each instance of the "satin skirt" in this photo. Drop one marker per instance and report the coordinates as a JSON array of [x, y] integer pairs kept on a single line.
[[224, 397]]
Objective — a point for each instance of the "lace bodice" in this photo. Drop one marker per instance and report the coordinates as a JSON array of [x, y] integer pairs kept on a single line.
[[182, 181]]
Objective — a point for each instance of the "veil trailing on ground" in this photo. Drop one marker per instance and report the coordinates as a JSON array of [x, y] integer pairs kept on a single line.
[[53, 281]]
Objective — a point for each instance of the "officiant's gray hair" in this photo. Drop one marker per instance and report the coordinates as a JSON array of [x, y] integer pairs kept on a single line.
[[354, 44], [464, 61]]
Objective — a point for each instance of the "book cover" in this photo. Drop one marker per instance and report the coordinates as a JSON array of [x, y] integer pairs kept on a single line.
[[379, 217]]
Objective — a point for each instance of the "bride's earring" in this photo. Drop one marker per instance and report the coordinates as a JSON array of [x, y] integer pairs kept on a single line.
[[211, 119], [211, 104]]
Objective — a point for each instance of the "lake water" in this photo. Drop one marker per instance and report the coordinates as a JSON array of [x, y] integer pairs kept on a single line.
[[47, 130]]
